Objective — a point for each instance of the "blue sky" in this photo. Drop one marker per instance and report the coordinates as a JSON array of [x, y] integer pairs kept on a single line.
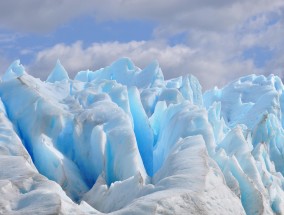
[[217, 41]]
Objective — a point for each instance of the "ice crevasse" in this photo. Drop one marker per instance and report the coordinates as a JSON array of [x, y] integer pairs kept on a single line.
[[123, 140]]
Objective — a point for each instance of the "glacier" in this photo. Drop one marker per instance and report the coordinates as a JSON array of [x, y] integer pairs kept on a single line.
[[123, 140]]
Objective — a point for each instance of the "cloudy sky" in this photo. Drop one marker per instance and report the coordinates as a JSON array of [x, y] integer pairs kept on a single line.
[[215, 40]]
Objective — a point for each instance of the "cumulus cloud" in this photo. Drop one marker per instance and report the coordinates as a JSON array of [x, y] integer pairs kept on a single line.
[[217, 35], [175, 60], [171, 16], [4, 63], [214, 57], [39, 16], [75, 57], [266, 31]]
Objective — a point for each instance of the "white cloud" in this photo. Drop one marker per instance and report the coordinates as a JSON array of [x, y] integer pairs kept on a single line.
[[39, 16], [4, 64], [267, 32], [218, 33], [177, 60], [98, 55], [171, 16]]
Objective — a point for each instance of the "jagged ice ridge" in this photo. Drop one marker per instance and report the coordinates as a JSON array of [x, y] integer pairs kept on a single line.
[[122, 140]]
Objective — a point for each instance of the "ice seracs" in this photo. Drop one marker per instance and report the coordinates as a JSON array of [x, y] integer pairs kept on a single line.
[[123, 140], [15, 70], [58, 73]]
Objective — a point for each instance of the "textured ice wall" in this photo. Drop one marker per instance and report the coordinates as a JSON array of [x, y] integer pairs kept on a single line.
[[125, 140]]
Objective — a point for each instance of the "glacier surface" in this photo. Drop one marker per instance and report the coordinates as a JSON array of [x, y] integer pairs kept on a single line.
[[123, 140]]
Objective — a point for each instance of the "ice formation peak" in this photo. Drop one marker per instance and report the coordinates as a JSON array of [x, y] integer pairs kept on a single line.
[[125, 140], [123, 64], [58, 73], [15, 70]]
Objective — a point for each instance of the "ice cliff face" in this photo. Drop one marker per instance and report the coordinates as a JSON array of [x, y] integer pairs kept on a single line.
[[123, 140]]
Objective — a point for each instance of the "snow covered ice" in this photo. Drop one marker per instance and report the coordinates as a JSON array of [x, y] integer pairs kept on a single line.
[[122, 140]]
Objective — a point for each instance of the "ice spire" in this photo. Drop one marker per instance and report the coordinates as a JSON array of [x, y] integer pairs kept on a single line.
[[15, 70], [58, 73]]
